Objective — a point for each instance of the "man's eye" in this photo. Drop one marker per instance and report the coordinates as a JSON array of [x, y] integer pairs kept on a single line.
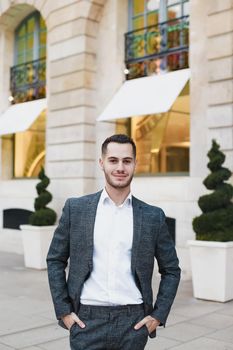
[[127, 161], [112, 160]]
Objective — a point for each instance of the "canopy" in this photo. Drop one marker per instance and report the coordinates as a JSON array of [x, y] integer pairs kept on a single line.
[[147, 95], [19, 117]]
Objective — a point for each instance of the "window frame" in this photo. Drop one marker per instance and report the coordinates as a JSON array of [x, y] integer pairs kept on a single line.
[[162, 11], [36, 38]]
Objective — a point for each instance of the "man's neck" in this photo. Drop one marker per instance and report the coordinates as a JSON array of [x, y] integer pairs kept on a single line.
[[117, 195]]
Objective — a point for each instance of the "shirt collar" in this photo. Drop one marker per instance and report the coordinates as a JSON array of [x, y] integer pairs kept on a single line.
[[104, 199]]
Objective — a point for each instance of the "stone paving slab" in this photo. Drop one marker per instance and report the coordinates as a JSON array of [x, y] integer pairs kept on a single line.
[[174, 319], [62, 344], [4, 347], [204, 344], [33, 306], [227, 309], [225, 334], [184, 331], [34, 336], [161, 343], [214, 320], [196, 308], [11, 322], [32, 348]]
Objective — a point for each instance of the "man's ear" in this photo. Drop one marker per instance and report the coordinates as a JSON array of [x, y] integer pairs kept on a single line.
[[101, 163]]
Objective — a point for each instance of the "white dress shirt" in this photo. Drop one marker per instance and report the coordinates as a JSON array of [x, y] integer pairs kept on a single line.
[[111, 281]]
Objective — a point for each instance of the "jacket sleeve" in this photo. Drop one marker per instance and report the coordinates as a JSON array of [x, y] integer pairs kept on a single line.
[[57, 260], [168, 264]]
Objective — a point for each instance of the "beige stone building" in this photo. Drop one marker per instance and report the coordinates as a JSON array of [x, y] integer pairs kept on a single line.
[[62, 63]]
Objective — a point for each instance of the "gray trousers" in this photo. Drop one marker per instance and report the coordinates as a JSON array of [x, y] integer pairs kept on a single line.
[[109, 328]]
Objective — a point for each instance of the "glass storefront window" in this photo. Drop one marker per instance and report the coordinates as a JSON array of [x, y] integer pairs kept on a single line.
[[162, 140], [23, 153], [29, 149]]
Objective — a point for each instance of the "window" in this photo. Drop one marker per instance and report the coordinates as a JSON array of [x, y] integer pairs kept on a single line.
[[162, 140], [30, 39], [28, 75], [29, 149], [158, 37], [23, 153], [141, 15]]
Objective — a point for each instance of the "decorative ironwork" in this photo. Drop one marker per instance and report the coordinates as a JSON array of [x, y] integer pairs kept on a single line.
[[160, 48], [28, 81]]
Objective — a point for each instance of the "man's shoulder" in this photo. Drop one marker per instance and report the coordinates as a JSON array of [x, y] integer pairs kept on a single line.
[[146, 206], [89, 198]]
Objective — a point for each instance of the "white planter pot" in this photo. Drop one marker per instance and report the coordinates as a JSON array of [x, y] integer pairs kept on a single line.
[[212, 270], [36, 242]]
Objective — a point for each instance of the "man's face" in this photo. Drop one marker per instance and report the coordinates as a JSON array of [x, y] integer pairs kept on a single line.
[[118, 164]]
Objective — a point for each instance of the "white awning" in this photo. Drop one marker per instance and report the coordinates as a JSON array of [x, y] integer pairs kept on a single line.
[[20, 116], [147, 95]]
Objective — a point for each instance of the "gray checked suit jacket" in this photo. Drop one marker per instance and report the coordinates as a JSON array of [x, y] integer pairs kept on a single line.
[[73, 239]]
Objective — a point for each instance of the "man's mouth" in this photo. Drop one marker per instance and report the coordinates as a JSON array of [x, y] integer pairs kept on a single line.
[[120, 176]]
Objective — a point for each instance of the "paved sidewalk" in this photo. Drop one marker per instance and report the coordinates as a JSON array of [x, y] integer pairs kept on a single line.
[[27, 318]]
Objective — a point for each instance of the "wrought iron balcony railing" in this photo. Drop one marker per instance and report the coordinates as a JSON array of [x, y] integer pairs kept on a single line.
[[159, 48], [28, 81]]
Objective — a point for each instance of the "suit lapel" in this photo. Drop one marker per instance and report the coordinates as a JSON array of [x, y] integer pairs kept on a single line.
[[90, 215], [137, 223]]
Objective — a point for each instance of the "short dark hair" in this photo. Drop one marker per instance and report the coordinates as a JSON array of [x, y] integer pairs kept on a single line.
[[118, 138]]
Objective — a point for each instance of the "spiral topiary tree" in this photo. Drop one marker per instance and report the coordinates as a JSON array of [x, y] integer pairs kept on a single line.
[[216, 222], [42, 216]]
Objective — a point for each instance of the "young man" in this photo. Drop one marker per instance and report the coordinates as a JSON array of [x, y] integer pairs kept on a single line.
[[112, 239]]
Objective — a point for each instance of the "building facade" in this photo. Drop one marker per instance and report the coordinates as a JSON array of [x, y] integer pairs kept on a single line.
[[74, 55]]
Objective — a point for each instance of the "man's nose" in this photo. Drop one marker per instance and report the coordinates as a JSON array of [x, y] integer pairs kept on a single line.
[[120, 166]]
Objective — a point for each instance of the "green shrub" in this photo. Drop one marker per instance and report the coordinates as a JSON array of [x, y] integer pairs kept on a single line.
[[216, 222], [42, 216]]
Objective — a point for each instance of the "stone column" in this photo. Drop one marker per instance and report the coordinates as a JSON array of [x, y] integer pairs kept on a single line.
[[220, 76], [71, 84], [198, 87]]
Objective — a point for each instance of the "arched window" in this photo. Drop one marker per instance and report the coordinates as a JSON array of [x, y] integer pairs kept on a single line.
[[30, 39], [28, 74]]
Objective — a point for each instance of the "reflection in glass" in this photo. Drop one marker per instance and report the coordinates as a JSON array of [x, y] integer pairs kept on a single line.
[[158, 40], [31, 25], [30, 42], [172, 2], [138, 7], [152, 5], [186, 9], [29, 149], [174, 12], [162, 139], [22, 30], [30, 38]]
